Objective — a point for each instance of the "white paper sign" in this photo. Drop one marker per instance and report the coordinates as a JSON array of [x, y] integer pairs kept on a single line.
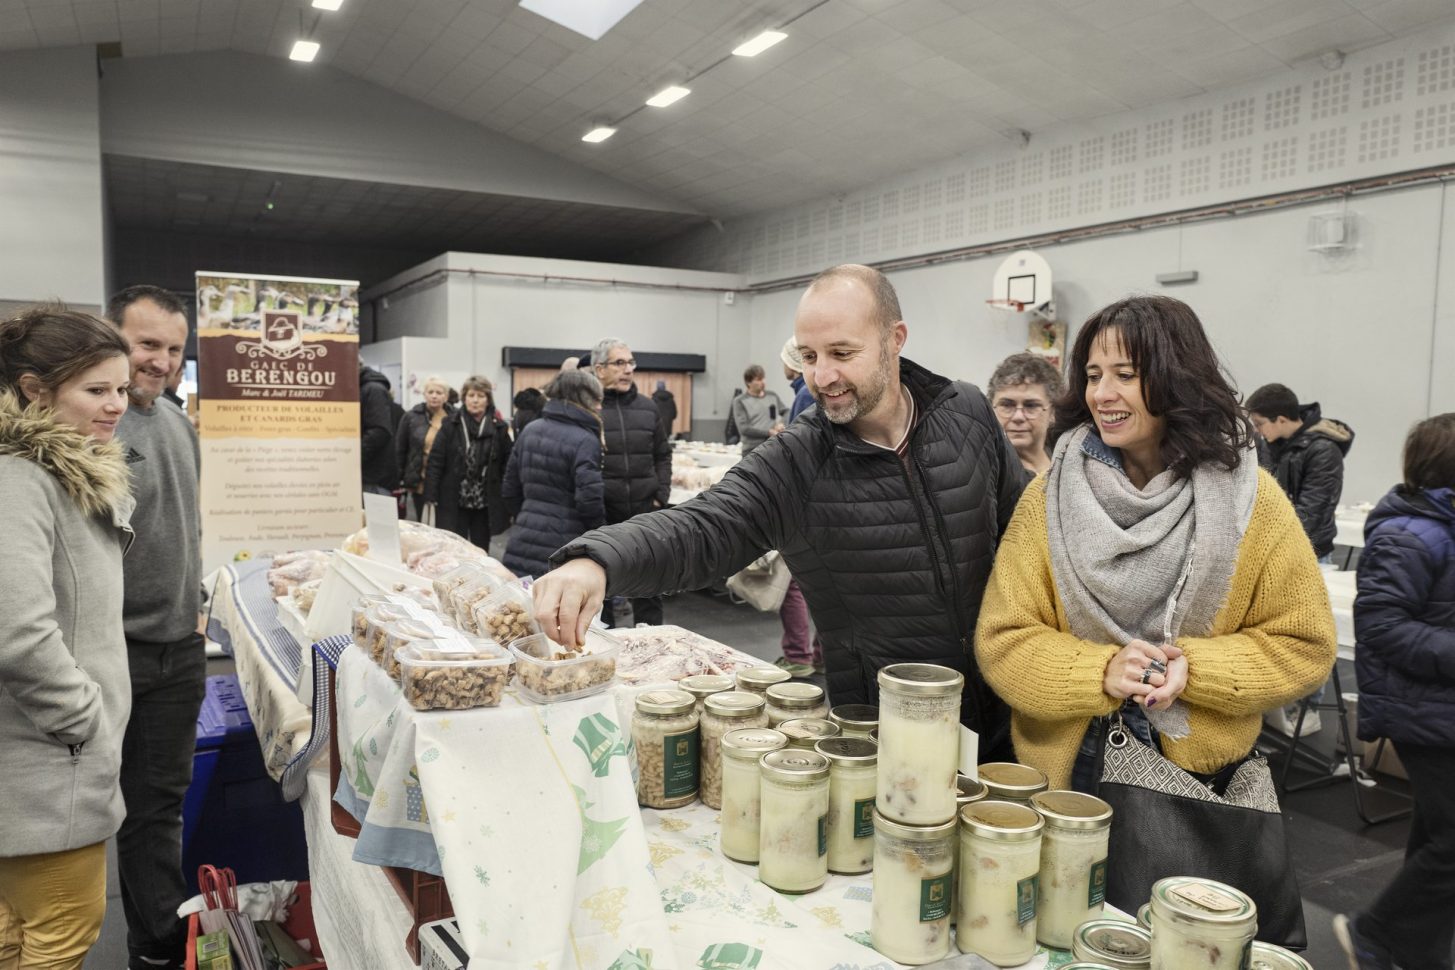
[[381, 519], [969, 753]]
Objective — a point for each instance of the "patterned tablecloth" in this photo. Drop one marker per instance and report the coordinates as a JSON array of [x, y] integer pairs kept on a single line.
[[529, 812]]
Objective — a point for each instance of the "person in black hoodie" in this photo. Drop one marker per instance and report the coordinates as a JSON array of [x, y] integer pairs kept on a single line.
[[1307, 451], [637, 466], [376, 431], [526, 407], [466, 466], [416, 435], [666, 403]]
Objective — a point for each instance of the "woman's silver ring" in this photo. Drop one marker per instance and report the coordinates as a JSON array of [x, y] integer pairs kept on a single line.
[[1146, 674], [1157, 667]]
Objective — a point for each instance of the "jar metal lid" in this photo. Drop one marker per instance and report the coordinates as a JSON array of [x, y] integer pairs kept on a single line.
[[749, 744], [923, 680], [805, 732], [1144, 915], [1002, 821], [796, 695], [1114, 943], [861, 716], [874, 734], [850, 752], [665, 702], [913, 833], [760, 679], [734, 703], [1072, 810], [701, 685], [1266, 956], [794, 764], [969, 790], [1189, 899], [1083, 965], [1006, 779]]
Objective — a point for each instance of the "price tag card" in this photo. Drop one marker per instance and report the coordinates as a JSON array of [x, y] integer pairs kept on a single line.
[[969, 753], [381, 521]]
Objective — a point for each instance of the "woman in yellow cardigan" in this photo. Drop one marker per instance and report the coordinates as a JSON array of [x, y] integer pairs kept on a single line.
[[1154, 569]]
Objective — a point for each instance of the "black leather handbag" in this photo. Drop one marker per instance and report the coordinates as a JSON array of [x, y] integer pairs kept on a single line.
[[1166, 822]]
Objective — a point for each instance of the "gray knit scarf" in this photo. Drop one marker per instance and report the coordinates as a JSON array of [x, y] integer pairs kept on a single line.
[[1119, 554]]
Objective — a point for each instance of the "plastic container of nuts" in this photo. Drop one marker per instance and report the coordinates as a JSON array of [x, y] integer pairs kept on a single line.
[[467, 597], [506, 615], [446, 583], [400, 634], [547, 672], [473, 674], [376, 621], [359, 618]]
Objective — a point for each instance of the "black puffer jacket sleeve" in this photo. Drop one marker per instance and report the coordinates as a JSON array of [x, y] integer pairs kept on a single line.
[[1319, 490], [694, 544]]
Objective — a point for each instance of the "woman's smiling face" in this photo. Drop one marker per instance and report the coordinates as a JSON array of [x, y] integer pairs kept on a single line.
[[1114, 397]]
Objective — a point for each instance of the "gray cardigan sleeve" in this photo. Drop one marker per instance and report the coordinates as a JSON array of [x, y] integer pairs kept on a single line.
[[37, 668]]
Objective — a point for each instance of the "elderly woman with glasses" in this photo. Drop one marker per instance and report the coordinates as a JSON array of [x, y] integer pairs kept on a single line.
[[1021, 391]]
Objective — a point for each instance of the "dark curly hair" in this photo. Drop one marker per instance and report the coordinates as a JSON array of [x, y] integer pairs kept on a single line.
[[1183, 382]]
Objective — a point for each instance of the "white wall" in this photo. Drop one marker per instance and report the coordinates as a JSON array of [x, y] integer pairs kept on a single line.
[[473, 317], [1352, 332], [246, 111], [51, 245]]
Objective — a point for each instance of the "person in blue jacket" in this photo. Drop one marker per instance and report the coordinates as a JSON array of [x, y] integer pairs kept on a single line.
[[553, 484], [1404, 620]]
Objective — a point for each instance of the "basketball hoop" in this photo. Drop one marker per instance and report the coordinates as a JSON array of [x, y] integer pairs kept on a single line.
[[1014, 306]]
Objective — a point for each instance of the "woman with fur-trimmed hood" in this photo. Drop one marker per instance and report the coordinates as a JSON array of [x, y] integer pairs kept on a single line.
[[65, 689]]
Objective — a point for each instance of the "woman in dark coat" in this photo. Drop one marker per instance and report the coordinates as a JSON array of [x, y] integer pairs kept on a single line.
[[466, 466], [526, 408], [553, 483], [1404, 619], [416, 436]]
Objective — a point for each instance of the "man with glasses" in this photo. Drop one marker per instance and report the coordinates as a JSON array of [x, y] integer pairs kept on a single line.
[[637, 461], [1022, 390]]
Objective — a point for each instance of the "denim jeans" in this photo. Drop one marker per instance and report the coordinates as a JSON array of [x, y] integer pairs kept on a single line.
[[168, 681]]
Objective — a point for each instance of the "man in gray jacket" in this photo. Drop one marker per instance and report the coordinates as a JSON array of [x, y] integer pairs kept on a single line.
[[163, 580], [758, 412]]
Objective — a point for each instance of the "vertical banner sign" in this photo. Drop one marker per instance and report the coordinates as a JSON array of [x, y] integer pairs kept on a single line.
[[278, 363]]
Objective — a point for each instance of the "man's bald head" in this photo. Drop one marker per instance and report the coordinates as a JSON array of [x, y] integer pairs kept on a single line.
[[886, 310]]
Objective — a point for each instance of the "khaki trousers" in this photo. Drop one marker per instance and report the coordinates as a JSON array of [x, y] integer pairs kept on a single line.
[[51, 906]]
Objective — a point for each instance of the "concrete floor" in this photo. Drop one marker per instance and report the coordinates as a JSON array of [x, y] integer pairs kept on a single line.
[[1341, 863]]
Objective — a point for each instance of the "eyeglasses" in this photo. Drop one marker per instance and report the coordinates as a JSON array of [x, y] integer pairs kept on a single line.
[[1007, 409], [631, 364]]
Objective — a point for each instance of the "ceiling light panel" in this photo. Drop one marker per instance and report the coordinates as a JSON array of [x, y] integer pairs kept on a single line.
[[759, 44], [328, 4], [591, 19], [668, 96], [303, 50], [598, 134]]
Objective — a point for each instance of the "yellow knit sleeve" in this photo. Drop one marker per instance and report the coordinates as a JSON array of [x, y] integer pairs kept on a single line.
[[1282, 646], [1023, 651]]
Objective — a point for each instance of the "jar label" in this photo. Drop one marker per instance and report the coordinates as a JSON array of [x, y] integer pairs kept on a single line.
[[1208, 898], [1096, 893], [1026, 892], [823, 835], [934, 898], [864, 818], [679, 764]]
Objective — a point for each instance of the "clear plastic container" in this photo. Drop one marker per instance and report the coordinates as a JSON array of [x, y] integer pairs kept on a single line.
[[664, 733], [1112, 943], [919, 742], [1266, 956], [451, 680], [793, 846], [702, 686], [359, 619], [853, 772], [855, 720], [376, 618], [1073, 863], [465, 597], [1201, 923], [445, 583], [757, 680], [792, 700], [401, 634], [506, 615], [910, 919], [724, 711], [1000, 865], [547, 672], [1011, 782], [806, 732], [741, 789]]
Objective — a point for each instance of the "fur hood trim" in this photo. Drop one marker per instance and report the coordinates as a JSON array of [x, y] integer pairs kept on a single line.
[[94, 475]]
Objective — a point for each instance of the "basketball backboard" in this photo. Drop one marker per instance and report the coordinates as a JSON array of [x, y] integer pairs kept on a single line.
[[1023, 283]]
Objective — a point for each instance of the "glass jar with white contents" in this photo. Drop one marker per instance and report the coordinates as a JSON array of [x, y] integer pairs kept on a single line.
[[806, 732], [1266, 956], [1000, 865], [1201, 923], [741, 788], [787, 702], [664, 733], [919, 742], [1111, 943], [967, 791], [703, 686], [793, 846], [1011, 782], [722, 712], [853, 770], [757, 680], [1073, 863], [910, 918], [854, 720]]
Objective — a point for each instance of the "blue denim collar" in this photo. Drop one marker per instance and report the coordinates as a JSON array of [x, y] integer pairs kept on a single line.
[[1093, 447]]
